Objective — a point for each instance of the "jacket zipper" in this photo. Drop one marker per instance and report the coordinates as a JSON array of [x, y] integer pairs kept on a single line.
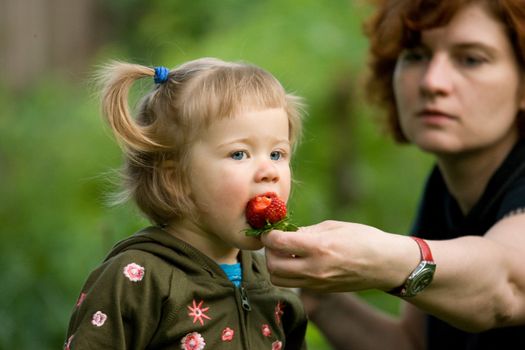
[[243, 310], [244, 300]]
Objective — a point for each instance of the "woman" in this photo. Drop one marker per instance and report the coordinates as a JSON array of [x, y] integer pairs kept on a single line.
[[455, 88]]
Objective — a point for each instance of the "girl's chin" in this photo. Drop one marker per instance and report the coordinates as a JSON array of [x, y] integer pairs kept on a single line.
[[251, 243]]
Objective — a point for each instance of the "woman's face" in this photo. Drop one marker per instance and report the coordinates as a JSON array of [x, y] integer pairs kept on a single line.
[[460, 89]]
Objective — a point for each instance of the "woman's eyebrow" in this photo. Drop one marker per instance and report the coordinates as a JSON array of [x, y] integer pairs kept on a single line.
[[477, 45]]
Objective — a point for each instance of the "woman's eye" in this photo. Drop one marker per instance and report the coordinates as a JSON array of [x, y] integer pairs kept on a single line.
[[238, 155], [276, 155], [414, 55], [471, 60]]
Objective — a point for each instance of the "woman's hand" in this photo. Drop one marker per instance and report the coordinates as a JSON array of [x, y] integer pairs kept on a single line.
[[338, 256]]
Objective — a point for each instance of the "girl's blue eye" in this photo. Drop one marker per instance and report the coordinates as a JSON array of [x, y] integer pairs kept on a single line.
[[275, 155], [238, 155]]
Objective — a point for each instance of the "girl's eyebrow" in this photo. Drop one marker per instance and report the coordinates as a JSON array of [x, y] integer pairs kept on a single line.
[[231, 142], [247, 140], [239, 141]]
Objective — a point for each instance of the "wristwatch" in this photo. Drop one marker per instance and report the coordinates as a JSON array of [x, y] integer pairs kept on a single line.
[[422, 275]]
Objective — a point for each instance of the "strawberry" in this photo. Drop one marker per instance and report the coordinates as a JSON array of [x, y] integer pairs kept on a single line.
[[256, 209], [276, 211], [266, 212]]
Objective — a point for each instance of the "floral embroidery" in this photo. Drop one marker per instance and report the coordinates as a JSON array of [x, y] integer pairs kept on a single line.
[[99, 318], [68, 343], [198, 312], [227, 334], [277, 345], [266, 331], [279, 312], [192, 341], [134, 272], [81, 299]]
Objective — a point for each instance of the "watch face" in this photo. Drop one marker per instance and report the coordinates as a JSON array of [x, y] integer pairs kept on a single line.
[[420, 279]]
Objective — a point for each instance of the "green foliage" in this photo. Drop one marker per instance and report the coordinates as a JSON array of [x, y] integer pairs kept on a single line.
[[56, 154], [55, 228]]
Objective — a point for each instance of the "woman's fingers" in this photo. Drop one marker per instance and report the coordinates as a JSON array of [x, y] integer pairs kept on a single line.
[[284, 264], [300, 243], [284, 243], [293, 272]]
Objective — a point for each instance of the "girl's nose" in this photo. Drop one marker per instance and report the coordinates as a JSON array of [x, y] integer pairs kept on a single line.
[[436, 79], [267, 172]]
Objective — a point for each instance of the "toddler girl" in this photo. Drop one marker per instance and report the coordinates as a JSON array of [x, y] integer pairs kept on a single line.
[[207, 138]]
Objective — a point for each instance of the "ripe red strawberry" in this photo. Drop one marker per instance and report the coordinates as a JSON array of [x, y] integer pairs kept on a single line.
[[256, 210], [276, 211], [265, 212]]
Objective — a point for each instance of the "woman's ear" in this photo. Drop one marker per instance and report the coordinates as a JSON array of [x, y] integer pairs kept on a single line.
[[522, 92]]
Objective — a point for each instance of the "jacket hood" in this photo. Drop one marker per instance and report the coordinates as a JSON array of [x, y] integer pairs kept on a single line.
[[158, 242]]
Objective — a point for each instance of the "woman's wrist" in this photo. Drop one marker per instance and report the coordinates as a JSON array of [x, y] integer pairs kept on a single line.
[[403, 260], [420, 277]]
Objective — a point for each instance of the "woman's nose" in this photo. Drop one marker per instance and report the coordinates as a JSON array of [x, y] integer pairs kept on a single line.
[[436, 79]]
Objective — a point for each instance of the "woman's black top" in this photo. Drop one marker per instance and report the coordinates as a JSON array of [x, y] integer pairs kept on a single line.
[[440, 217]]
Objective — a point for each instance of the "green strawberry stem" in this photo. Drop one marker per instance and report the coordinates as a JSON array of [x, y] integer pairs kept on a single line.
[[282, 225]]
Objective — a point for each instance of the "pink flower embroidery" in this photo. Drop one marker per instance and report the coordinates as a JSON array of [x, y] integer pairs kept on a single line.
[[266, 331], [227, 334], [192, 341], [99, 318], [198, 312], [277, 345], [134, 272], [81, 299], [278, 312], [68, 343]]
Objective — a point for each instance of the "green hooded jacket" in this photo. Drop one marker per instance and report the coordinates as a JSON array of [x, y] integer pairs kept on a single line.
[[154, 291]]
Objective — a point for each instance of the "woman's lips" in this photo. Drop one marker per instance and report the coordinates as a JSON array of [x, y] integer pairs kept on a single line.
[[433, 112], [434, 115]]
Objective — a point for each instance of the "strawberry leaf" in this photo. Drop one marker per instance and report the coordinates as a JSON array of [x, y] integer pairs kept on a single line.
[[282, 225]]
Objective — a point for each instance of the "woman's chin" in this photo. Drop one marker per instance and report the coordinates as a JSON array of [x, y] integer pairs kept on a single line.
[[437, 145]]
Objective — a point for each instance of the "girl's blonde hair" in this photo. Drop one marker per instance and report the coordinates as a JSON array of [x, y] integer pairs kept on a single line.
[[156, 142]]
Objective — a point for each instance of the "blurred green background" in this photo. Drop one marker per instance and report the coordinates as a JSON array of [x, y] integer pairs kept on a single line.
[[56, 155]]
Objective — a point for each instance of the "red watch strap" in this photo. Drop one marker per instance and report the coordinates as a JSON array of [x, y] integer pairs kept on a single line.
[[426, 254]]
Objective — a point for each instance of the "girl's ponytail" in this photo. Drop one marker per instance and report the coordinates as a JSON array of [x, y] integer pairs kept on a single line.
[[145, 140], [116, 79]]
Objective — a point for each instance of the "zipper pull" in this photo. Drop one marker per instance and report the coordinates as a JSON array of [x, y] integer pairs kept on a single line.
[[244, 300]]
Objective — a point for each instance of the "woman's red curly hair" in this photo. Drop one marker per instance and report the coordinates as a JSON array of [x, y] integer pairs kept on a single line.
[[398, 24]]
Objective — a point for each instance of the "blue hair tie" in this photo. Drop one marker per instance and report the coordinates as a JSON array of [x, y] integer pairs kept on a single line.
[[161, 75]]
